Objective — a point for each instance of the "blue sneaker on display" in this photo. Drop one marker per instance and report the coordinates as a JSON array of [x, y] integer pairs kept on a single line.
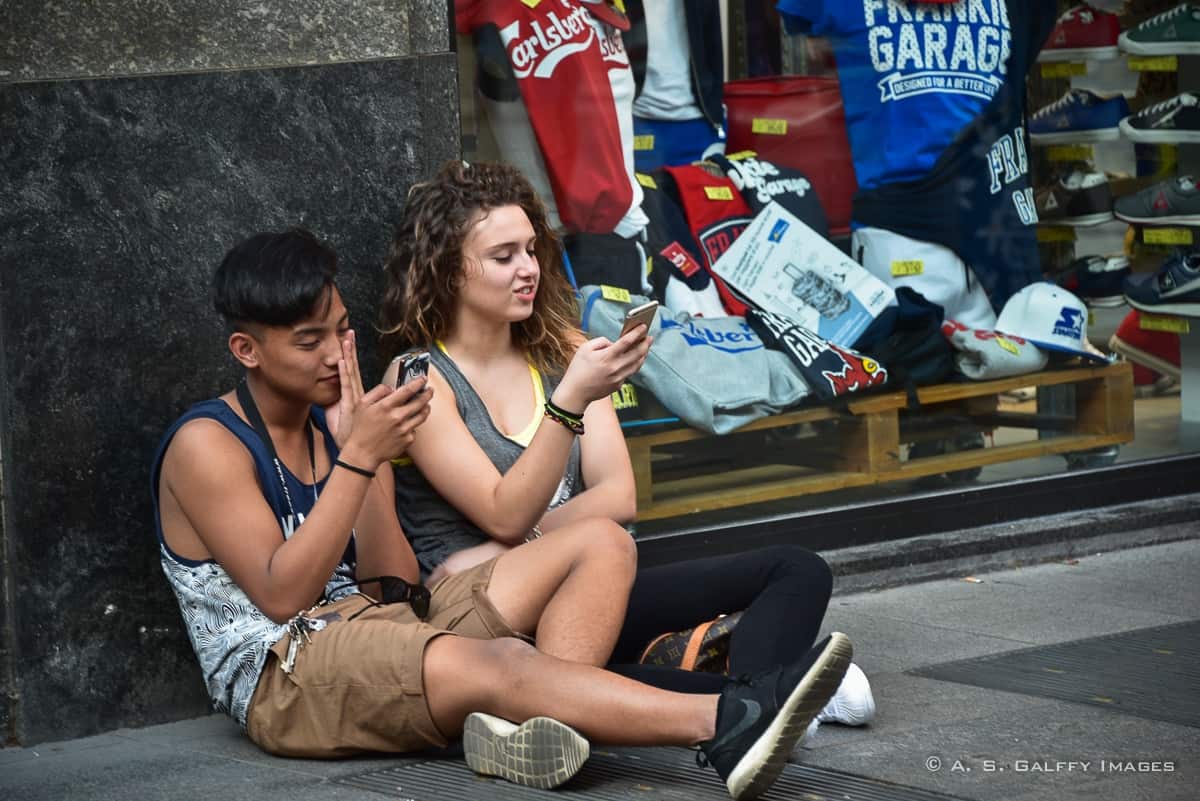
[[1174, 289], [1079, 116]]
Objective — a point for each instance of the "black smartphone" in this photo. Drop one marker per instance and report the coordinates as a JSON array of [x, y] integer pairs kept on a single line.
[[640, 315], [414, 364]]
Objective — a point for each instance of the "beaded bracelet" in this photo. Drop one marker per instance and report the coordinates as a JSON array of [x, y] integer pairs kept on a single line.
[[561, 416]]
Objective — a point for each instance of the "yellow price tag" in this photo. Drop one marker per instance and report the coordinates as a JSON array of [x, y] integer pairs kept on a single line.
[[646, 180], [620, 4], [1068, 70], [643, 142], [718, 193], [1071, 153], [741, 154], [1055, 233], [1154, 63], [1167, 236], [772, 127], [1008, 345], [1091, 318], [1157, 322], [904, 268], [532, 3], [625, 397], [615, 293]]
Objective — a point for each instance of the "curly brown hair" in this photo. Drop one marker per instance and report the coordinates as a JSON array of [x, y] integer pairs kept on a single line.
[[425, 267]]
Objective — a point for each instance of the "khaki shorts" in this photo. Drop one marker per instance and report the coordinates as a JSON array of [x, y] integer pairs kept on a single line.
[[357, 686]]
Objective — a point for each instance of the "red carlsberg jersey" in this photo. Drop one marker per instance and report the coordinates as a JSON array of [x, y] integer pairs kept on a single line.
[[562, 62]]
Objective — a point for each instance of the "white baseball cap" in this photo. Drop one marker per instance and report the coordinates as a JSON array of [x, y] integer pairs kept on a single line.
[[1051, 318]]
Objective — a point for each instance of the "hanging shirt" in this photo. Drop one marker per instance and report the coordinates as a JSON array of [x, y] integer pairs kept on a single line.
[[577, 90], [935, 107]]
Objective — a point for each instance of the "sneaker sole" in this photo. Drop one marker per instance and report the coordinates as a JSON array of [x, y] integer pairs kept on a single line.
[[766, 759], [1110, 302], [1082, 221], [1150, 137], [1173, 219], [1077, 137], [1080, 54], [1178, 309], [1145, 359], [1158, 48], [541, 752]]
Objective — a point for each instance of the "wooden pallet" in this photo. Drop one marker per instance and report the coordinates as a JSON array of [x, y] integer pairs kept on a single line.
[[859, 443]]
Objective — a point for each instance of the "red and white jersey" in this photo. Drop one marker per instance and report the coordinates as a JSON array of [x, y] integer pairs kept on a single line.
[[577, 89]]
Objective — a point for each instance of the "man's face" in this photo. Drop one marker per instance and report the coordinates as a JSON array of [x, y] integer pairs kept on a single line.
[[301, 360]]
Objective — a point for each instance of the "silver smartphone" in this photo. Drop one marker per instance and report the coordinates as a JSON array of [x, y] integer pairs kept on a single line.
[[413, 365], [639, 315]]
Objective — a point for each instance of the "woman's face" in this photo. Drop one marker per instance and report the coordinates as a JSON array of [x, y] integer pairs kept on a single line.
[[500, 271]]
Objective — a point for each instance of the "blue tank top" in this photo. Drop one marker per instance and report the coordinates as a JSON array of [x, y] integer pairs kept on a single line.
[[230, 635]]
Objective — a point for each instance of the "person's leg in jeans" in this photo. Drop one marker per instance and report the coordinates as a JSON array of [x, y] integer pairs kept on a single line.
[[783, 592]]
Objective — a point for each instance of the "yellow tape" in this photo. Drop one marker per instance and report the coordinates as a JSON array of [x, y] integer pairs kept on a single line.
[[646, 180], [1154, 63], [1157, 322], [1071, 153], [1055, 233], [615, 293], [772, 127], [718, 193], [1167, 236], [1068, 70], [905, 268], [643, 142]]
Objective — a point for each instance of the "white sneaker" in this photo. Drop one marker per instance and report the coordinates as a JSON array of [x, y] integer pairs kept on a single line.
[[852, 704], [541, 752]]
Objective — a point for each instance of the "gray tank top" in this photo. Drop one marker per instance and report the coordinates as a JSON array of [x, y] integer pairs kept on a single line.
[[434, 527]]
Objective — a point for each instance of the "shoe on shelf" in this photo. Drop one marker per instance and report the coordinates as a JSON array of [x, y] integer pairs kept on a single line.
[[1174, 289], [1175, 201], [1080, 198], [1174, 121], [1078, 117], [761, 718], [1171, 33], [541, 752], [1098, 280], [1083, 34], [1156, 351]]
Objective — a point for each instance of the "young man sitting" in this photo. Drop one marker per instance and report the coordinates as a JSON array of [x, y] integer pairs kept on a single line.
[[300, 593]]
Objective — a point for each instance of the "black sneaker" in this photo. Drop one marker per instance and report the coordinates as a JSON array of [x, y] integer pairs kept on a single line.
[[1174, 289], [1174, 121], [760, 719], [1098, 280], [1078, 199], [541, 752]]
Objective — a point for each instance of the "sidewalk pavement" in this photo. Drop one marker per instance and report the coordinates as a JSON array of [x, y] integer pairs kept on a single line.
[[967, 728]]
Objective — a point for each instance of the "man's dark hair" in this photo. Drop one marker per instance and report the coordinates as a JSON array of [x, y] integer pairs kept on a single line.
[[274, 279]]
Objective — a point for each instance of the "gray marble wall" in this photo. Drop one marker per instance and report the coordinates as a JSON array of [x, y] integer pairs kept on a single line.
[[118, 197]]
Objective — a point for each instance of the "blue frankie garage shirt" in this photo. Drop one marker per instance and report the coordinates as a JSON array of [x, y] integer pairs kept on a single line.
[[912, 74], [935, 105]]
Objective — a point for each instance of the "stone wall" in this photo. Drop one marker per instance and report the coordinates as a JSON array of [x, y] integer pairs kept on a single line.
[[140, 141]]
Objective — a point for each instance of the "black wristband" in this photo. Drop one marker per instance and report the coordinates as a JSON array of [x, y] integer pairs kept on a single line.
[[354, 469], [560, 411]]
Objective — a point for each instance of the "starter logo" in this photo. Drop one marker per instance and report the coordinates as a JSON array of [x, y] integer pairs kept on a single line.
[[1069, 324], [548, 41], [949, 49]]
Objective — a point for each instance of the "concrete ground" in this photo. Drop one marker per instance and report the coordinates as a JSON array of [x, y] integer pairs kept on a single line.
[[969, 733]]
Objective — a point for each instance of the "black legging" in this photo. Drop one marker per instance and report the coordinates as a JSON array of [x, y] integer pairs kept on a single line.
[[782, 590]]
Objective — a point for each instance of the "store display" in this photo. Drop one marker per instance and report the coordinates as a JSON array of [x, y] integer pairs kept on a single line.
[[1171, 33], [1078, 199], [1083, 33], [1171, 122], [675, 49], [1172, 202], [1098, 280], [1051, 318], [797, 122], [1079, 116], [761, 182], [560, 106], [1174, 289], [1157, 351]]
